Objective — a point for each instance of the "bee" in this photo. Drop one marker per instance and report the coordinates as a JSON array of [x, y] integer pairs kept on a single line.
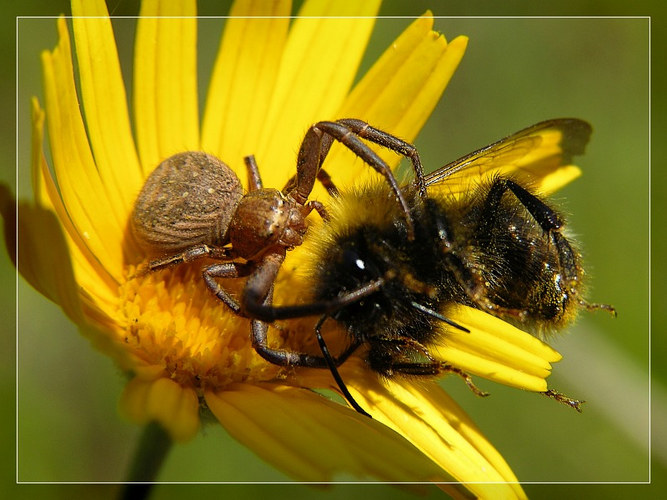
[[493, 243]]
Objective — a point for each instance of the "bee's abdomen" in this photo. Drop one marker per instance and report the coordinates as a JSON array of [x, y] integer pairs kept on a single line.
[[538, 273]]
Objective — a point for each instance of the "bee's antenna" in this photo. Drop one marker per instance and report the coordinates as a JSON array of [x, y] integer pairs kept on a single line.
[[437, 315], [334, 370]]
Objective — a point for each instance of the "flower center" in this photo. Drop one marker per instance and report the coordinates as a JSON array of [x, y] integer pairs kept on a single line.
[[173, 321]]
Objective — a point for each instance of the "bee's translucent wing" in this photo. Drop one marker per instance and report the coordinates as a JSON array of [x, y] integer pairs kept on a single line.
[[533, 154]]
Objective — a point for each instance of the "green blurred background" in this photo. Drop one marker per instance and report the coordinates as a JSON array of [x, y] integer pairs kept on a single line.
[[516, 72]]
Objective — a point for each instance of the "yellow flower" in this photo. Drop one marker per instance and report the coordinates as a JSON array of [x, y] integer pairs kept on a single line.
[[184, 351]]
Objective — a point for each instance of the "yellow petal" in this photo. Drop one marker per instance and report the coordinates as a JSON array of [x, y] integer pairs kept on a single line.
[[488, 323], [74, 284], [313, 439], [318, 66], [165, 81], [164, 401], [39, 187], [93, 279], [243, 79], [496, 350], [105, 104], [435, 424], [401, 89], [397, 95], [83, 191]]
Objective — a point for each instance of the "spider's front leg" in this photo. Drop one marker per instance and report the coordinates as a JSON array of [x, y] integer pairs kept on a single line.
[[225, 270], [384, 139], [317, 143], [258, 296]]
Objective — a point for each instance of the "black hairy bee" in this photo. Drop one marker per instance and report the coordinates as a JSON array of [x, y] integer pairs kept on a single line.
[[483, 237]]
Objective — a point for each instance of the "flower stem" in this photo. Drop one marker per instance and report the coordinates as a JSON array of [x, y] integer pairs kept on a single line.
[[153, 447]]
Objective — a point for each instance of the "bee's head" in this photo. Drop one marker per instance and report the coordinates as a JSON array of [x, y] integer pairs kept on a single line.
[[366, 242], [364, 257]]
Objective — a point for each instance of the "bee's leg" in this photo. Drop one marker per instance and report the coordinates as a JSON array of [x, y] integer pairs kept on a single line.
[[595, 306], [570, 266], [391, 356], [399, 358], [437, 368], [333, 363], [550, 222], [446, 367], [473, 279], [562, 398], [544, 215]]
